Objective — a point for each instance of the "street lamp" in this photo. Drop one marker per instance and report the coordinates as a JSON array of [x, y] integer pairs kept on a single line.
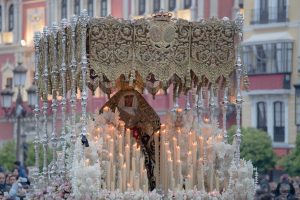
[[31, 95], [19, 111]]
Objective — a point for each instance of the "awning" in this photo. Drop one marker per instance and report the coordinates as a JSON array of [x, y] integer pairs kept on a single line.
[[269, 37]]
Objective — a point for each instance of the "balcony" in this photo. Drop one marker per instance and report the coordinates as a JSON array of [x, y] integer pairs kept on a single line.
[[269, 15]]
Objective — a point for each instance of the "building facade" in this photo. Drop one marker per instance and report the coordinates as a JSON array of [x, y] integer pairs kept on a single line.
[[20, 19], [271, 53]]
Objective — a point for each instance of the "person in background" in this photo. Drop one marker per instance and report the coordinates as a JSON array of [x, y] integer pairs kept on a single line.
[[21, 169], [285, 189], [3, 187]]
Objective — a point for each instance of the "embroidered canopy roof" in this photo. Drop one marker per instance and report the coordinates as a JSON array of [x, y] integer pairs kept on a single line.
[[152, 53]]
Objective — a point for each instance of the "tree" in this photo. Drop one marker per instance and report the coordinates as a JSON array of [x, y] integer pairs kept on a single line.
[[291, 162], [256, 146], [8, 155]]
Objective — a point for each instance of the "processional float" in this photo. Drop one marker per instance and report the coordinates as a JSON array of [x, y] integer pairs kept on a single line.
[[122, 151]]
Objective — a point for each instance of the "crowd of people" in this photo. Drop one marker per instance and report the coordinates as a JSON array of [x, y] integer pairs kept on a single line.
[[13, 185], [287, 189]]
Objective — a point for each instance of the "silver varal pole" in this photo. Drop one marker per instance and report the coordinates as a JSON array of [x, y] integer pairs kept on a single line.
[[83, 23], [73, 86], [239, 100], [54, 105], [225, 107], [45, 105], [37, 37], [63, 69]]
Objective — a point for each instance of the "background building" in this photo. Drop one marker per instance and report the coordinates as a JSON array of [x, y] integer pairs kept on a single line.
[[271, 52], [20, 19]]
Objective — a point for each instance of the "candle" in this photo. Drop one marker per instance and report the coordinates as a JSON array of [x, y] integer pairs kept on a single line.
[[111, 148], [171, 177], [200, 174], [121, 159], [124, 177], [179, 173], [217, 183], [178, 153], [156, 141], [120, 141], [120, 175], [127, 159], [133, 165], [128, 136], [113, 178], [136, 183], [108, 177], [211, 177], [201, 146], [189, 140]]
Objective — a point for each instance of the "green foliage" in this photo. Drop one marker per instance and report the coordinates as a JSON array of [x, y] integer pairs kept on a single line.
[[8, 155], [256, 146], [291, 162]]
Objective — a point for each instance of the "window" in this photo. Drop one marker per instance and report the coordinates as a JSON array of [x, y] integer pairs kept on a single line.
[[9, 82], [172, 5], [0, 18], [11, 18], [64, 9], [281, 14], [156, 5], [263, 11], [103, 8], [268, 58], [90, 8], [297, 107], [142, 7], [269, 11], [261, 116], [187, 4], [77, 7], [278, 121]]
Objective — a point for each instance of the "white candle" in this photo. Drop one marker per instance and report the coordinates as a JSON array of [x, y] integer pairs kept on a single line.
[[189, 140], [200, 174], [124, 177], [156, 141], [120, 141], [171, 177], [113, 178], [108, 177], [111, 148], [136, 183], [133, 165], [128, 134], [120, 176], [127, 159], [201, 146]]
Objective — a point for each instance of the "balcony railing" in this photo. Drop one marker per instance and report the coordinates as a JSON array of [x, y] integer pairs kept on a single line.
[[269, 15]]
